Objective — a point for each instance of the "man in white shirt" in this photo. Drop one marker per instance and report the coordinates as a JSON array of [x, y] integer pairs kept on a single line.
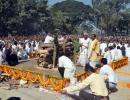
[[102, 47], [107, 70], [49, 38], [108, 55], [85, 43], [69, 68], [114, 53], [29, 49], [128, 51], [37, 46], [14, 46], [1, 55]]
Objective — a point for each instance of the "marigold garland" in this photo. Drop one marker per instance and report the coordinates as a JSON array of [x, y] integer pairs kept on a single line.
[[53, 83]]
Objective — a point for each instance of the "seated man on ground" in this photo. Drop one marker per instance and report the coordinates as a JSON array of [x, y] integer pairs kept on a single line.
[[98, 89], [13, 58], [111, 78]]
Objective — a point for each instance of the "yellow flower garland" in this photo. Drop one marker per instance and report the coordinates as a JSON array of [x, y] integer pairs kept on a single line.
[[51, 82]]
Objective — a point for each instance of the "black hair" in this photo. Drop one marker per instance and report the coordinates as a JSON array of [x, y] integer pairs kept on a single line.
[[118, 47], [89, 68], [114, 45], [110, 47], [94, 35], [14, 98], [15, 43], [104, 61]]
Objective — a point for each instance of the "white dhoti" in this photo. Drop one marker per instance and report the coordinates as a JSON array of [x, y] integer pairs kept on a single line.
[[83, 60], [70, 75], [83, 57]]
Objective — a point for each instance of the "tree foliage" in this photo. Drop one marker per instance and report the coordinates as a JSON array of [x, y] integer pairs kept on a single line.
[[72, 13], [109, 12], [33, 16], [22, 16]]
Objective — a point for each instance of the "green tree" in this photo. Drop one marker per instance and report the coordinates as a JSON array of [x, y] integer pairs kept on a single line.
[[72, 13], [108, 12], [58, 19], [8, 16], [23, 16]]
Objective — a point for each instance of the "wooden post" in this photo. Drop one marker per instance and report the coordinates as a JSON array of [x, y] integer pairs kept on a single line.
[[54, 56], [55, 50]]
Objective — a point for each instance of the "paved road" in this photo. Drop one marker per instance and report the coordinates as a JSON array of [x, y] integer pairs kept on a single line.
[[123, 93]]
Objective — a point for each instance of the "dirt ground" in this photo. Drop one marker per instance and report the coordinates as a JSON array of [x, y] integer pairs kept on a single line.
[[123, 92]]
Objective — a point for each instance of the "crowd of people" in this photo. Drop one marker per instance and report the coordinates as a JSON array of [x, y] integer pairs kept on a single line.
[[15, 48], [95, 51]]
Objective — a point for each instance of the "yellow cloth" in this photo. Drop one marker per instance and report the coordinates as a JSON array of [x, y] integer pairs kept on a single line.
[[94, 50], [96, 82]]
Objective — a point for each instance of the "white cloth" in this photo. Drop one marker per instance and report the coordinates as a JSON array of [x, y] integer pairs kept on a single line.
[[108, 56], [110, 44], [107, 70], [102, 47], [70, 69], [128, 53], [119, 54], [19, 54], [37, 46], [1, 57], [20, 47], [29, 50], [114, 54], [83, 58], [48, 39], [85, 45], [93, 63], [14, 47], [126, 45]]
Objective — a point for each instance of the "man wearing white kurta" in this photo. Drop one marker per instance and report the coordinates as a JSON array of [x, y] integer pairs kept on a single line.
[[128, 51], [107, 70], [108, 55], [70, 68], [1, 57], [85, 43], [102, 47], [114, 53]]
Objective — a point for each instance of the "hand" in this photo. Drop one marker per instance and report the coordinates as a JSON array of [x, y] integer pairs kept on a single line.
[[64, 92]]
